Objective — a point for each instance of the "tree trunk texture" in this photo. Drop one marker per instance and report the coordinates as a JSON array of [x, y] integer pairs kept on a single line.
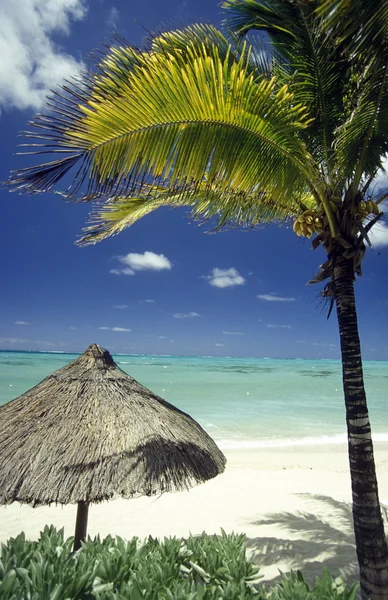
[[371, 544]]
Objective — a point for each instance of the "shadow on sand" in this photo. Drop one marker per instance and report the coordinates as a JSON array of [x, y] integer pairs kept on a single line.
[[317, 542]]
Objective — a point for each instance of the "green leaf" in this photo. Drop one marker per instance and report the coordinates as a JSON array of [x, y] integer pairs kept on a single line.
[[57, 593], [185, 119], [307, 58], [7, 584]]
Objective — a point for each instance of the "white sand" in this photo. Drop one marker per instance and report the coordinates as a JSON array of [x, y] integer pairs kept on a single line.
[[293, 505]]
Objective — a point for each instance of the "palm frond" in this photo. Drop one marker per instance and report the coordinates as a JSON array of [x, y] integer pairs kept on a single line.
[[271, 17], [361, 27], [110, 217], [209, 37], [179, 41], [113, 70], [360, 30], [362, 140], [178, 118], [122, 58], [307, 58]]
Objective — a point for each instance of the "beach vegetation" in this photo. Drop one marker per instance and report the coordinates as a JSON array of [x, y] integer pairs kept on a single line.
[[290, 127], [204, 567], [293, 586]]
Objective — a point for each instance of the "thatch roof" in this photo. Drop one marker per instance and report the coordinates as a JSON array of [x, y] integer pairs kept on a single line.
[[90, 432]]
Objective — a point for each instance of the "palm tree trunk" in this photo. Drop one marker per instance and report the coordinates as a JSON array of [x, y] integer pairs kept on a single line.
[[371, 544]]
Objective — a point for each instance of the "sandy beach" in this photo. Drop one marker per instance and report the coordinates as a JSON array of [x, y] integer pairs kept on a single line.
[[292, 504]]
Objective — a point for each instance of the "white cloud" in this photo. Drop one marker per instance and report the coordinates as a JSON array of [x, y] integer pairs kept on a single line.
[[384, 206], [113, 18], [48, 344], [31, 62], [275, 326], [189, 315], [149, 301], [22, 323], [232, 333], [120, 306], [379, 235], [122, 271], [73, 328], [273, 298], [12, 340], [148, 261], [223, 278], [381, 180], [162, 337], [219, 345], [114, 328]]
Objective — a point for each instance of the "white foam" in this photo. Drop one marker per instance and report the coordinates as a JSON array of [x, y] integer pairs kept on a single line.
[[324, 440]]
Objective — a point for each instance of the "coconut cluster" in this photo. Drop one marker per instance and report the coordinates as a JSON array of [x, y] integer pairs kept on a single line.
[[308, 222], [312, 221], [367, 208]]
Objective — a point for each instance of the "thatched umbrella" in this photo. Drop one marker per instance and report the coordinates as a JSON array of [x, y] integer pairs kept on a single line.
[[90, 432]]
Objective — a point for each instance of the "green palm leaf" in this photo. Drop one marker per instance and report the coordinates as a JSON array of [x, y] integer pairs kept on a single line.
[[271, 17], [177, 118], [360, 26], [360, 30], [308, 59], [112, 216], [122, 59], [362, 140]]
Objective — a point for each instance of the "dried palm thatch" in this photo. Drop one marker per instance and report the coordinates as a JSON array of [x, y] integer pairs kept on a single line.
[[90, 432]]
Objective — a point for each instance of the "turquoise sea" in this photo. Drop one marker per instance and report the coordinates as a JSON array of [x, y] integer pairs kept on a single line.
[[241, 402]]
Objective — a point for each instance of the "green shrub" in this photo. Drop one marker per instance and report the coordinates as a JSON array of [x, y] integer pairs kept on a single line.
[[294, 587], [197, 568], [203, 567]]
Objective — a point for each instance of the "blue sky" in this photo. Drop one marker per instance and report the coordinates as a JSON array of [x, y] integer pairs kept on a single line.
[[164, 286]]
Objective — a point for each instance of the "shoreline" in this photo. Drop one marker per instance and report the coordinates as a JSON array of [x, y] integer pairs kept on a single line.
[[292, 504]]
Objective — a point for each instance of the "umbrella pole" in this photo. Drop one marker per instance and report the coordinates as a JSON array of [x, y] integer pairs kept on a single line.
[[81, 524]]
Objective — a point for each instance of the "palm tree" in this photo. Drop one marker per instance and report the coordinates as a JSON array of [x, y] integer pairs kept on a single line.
[[294, 130]]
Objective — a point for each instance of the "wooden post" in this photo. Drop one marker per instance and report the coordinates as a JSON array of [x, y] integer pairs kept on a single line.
[[81, 524]]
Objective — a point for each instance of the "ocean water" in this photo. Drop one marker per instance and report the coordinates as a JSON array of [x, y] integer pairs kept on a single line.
[[240, 402]]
